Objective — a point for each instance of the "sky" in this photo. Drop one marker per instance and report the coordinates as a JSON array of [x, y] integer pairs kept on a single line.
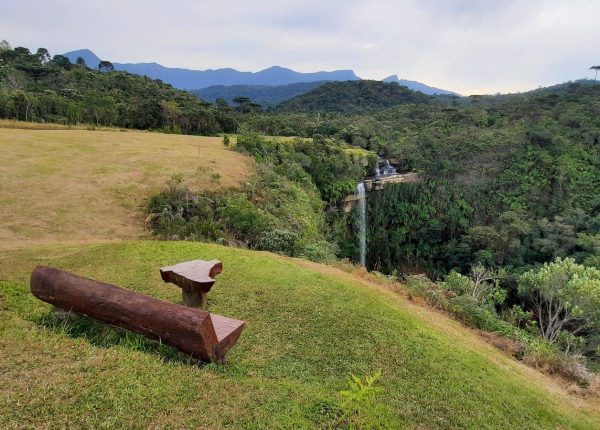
[[467, 46]]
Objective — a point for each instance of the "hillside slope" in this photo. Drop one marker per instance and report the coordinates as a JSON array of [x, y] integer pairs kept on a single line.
[[78, 185], [264, 95], [308, 327], [353, 97]]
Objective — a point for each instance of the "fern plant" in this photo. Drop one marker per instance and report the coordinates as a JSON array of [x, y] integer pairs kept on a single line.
[[358, 405]]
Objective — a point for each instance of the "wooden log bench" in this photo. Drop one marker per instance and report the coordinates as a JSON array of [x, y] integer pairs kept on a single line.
[[195, 278], [194, 331]]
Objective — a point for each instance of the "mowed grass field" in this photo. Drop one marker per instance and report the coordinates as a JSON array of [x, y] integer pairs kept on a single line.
[[78, 186], [309, 326]]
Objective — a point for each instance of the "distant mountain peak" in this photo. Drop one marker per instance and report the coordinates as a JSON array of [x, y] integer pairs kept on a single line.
[[195, 79], [276, 68], [91, 59], [418, 86]]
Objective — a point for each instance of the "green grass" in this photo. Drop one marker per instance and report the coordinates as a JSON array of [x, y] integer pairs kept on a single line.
[[308, 328]]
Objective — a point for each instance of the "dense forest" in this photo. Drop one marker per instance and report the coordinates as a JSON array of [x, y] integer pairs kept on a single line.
[[264, 95], [353, 97], [39, 87]]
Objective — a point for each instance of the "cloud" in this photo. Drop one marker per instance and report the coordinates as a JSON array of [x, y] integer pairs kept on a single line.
[[466, 46]]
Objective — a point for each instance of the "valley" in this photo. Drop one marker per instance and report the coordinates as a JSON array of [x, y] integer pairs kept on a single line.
[[400, 259]]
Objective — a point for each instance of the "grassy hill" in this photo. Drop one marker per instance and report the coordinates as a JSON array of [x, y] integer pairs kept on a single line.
[[308, 326], [78, 185]]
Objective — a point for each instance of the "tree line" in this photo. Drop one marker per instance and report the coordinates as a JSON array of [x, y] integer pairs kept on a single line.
[[35, 86]]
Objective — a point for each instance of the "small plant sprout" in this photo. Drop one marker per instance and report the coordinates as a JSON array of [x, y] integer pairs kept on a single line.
[[358, 401]]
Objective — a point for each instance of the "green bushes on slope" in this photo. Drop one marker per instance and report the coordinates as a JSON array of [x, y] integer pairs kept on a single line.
[[281, 209]]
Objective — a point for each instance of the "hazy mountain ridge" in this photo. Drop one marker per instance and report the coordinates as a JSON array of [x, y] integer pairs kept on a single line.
[[418, 86], [195, 80]]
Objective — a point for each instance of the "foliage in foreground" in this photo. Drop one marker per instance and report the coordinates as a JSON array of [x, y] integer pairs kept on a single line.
[[565, 297]]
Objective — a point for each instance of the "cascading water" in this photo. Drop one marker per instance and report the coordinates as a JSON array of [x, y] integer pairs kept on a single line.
[[383, 171], [362, 218]]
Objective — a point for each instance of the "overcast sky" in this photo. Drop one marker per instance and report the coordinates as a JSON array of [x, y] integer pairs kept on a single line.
[[467, 46]]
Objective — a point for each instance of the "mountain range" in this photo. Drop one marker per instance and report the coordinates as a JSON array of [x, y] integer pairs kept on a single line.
[[188, 79]]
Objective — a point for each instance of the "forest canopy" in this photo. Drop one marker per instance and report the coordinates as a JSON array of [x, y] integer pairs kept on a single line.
[[38, 87]]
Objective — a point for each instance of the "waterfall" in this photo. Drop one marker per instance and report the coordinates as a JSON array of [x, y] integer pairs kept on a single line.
[[362, 232]]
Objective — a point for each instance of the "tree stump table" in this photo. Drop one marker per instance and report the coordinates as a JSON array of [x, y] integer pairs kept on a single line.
[[195, 278]]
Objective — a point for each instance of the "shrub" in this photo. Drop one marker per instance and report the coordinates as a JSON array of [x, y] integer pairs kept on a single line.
[[338, 190], [519, 317], [254, 145], [469, 311], [421, 286], [359, 406], [168, 223], [482, 285], [547, 357], [244, 220], [178, 214], [279, 241], [321, 251], [540, 353]]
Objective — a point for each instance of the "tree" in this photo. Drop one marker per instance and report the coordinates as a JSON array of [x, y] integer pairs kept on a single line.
[[221, 104], [565, 297], [171, 112], [482, 285], [43, 55], [475, 100], [245, 105], [106, 66], [21, 103], [5, 46], [61, 61], [595, 68], [21, 51], [80, 61]]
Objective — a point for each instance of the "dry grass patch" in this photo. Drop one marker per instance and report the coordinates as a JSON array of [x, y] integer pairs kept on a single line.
[[84, 186]]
